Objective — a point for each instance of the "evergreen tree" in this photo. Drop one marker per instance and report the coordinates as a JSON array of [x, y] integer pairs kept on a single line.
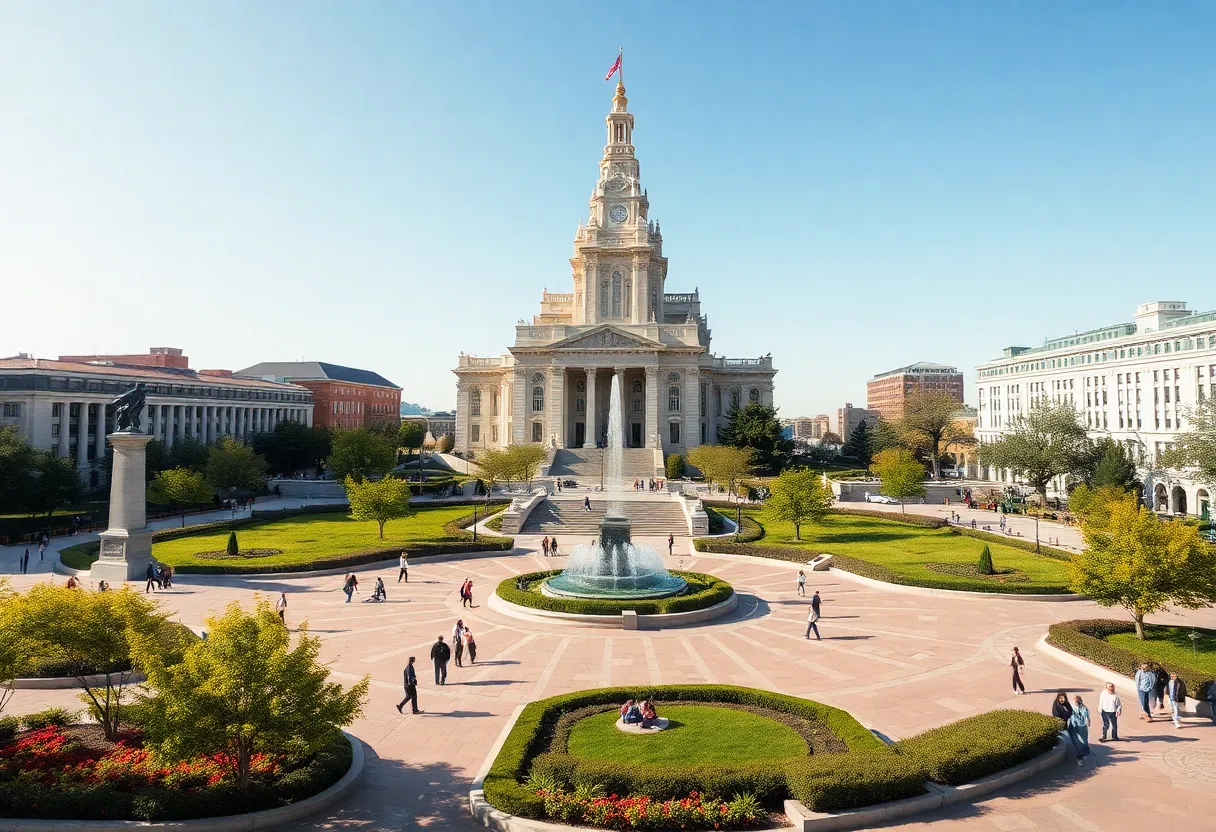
[[757, 427], [858, 446], [985, 566]]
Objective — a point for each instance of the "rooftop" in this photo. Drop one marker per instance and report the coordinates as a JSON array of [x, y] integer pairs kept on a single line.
[[919, 367], [115, 370], [315, 371]]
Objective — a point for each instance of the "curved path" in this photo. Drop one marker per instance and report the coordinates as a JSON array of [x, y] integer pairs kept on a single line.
[[899, 663]]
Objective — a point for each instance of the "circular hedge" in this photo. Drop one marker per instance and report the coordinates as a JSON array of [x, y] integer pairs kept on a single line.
[[703, 591]]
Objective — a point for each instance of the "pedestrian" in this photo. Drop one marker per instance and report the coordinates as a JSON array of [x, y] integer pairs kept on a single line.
[[411, 688], [587, 503], [403, 568], [25, 561], [1078, 729], [41, 548], [671, 542], [379, 593], [544, 545], [440, 653], [166, 576], [470, 645], [280, 606], [1061, 709], [149, 579], [1160, 680], [468, 592], [801, 583], [812, 623], [350, 586], [1175, 689], [553, 546], [1146, 680], [458, 641], [1019, 671], [1111, 708]]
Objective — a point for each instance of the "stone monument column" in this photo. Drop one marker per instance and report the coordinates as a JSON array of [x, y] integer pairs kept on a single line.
[[126, 546], [591, 413]]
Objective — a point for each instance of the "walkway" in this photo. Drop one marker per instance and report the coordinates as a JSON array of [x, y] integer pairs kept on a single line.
[[1069, 537]]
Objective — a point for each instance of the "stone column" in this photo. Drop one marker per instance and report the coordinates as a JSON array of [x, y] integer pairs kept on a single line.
[[461, 439], [170, 421], [652, 430], [519, 407], [557, 406], [308, 414], [592, 431], [691, 405], [99, 435], [126, 546], [82, 437], [618, 377], [65, 427]]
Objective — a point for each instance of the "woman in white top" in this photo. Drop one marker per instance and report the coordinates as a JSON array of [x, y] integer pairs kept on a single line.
[[404, 572], [280, 606]]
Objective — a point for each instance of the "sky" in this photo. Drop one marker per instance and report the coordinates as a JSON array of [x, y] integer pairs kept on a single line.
[[853, 186]]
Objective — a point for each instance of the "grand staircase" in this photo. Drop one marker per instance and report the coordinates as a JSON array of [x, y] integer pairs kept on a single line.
[[583, 464], [651, 517]]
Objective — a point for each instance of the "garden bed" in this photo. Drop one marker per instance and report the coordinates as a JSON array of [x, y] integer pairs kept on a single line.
[[703, 591]]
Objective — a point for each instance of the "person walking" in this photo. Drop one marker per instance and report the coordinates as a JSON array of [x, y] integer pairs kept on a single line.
[[41, 548], [1160, 680], [1110, 706], [671, 543], [812, 619], [801, 583], [470, 645], [458, 641], [544, 545], [440, 653], [468, 592], [280, 606], [1018, 664], [411, 688], [149, 579], [553, 547], [1146, 681], [350, 586], [1078, 729], [1175, 690], [587, 503], [25, 561], [403, 568]]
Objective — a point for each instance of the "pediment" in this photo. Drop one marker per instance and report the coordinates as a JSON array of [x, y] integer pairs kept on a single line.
[[606, 338]]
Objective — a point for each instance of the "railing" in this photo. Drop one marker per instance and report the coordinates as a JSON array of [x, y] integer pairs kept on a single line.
[[473, 361], [764, 362], [550, 297], [693, 297]]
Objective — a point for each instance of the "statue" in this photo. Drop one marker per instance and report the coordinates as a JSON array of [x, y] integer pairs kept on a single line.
[[127, 409]]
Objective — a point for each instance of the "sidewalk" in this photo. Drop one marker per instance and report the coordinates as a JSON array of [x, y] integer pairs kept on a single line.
[[1069, 537]]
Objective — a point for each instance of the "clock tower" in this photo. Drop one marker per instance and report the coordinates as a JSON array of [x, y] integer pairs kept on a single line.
[[618, 263]]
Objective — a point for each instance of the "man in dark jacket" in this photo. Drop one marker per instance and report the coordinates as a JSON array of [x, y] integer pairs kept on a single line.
[[440, 653], [411, 688], [150, 579]]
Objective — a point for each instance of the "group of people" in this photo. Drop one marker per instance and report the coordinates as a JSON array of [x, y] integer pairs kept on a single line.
[[157, 576], [1155, 686], [643, 713], [350, 585], [649, 485], [24, 561], [549, 545]]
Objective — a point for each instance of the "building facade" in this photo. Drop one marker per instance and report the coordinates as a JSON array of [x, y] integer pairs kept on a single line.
[[808, 428], [344, 397], [849, 417], [1131, 381], [619, 325], [887, 393], [64, 406]]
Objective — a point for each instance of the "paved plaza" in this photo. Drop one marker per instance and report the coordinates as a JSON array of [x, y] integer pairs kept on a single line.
[[900, 663]]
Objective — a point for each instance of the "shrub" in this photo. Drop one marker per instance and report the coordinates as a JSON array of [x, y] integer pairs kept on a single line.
[[703, 591], [984, 567], [9, 726], [674, 466], [981, 745], [58, 717], [834, 782], [233, 549]]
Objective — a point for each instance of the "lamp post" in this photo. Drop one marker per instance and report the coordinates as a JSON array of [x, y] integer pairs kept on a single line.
[[1036, 532], [474, 522]]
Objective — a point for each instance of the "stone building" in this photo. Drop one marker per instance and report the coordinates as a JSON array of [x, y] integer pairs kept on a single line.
[[887, 393], [553, 385]]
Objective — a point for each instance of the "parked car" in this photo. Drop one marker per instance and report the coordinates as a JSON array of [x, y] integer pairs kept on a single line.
[[881, 498]]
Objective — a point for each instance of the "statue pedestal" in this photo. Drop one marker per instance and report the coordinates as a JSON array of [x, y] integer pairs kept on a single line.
[[126, 546]]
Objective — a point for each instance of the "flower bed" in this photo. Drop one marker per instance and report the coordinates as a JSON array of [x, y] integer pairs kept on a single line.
[[695, 811], [703, 591], [73, 773]]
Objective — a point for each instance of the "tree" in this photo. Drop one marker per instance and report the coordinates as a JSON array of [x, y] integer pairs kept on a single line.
[[674, 466], [1137, 561], [523, 461], [1044, 443], [292, 446], [361, 454], [18, 461], [156, 458], [930, 426], [233, 549], [831, 439], [1111, 466], [757, 427], [798, 497], [380, 500], [723, 465], [410, 435], [884, 435], [902, 476], [858, 446], [1195, 448], [1093, 502], [179, 489], [445, 444], [493, 466], [985, 567], [188, 452], [14, 648], [96, 633], [55, 483], [245, 691], [232, 464]]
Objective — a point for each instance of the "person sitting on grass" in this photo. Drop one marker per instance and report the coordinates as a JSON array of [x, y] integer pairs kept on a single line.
[[649, 716], [630, 713]]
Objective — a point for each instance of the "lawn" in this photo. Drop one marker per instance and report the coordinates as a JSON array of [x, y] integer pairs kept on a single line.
[[698, 734], [905, 549], [1172, 645]]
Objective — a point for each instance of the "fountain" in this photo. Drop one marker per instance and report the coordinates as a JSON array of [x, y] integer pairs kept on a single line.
[[614, 567]]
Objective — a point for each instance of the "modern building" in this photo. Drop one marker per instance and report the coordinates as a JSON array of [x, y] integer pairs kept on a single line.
[[888, 392], [344, 397], [618, 327], [1130, 381], [808, 428], [64, 405], [849, 417]]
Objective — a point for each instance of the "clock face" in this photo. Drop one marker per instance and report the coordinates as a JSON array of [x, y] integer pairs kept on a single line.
[[619, 213]]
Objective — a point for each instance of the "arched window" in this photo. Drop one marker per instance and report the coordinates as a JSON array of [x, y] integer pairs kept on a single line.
[[475, 402], [616, 294], [734, 399], [754, 395], [538, 399], [673, 397], [628, 294]]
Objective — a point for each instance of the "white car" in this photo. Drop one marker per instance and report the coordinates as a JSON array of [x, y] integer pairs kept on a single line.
[[881, 498]]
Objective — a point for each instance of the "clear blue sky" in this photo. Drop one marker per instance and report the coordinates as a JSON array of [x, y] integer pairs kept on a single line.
[[852, 185]]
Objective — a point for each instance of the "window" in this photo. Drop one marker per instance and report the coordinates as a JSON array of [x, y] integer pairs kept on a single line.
[[54, 430], [674, 432], [580, 405], [475, 433], [616, 294], [475, 403], [536, 431], [637, 385], [12, 409], [754, 395], [673, 398]]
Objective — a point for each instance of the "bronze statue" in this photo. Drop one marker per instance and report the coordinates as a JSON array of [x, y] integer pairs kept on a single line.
[[127, 409]]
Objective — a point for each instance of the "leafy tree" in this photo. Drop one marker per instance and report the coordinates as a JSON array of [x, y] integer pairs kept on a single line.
[[723, 465], [410, 435], [245, 691], [1093, 502], [379, 500], [831, 438], [55, 483], [858, 446], [232, 464], [292, 446], [757, 427], [188, 452], [361, 453], [18, 461], [179, 489], [494, 466], [445, 444], [1137, 561], [95, 633], [798, 497], [1195, 448], [930, 425], [674, 466], [14, 647], [523, 461], [902, 476], [1044, 443]]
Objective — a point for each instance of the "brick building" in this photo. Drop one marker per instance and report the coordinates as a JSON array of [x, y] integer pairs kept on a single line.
[[343, 397], [887, 392]]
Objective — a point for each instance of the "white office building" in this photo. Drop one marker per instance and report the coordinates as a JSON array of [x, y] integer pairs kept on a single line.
[[1131, 381]]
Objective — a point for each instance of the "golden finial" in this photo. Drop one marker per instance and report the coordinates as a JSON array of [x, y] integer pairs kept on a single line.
[[619, 102]]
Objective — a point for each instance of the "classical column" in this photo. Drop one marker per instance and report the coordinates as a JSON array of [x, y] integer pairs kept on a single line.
[[652, 431], [462, 417], [308, 414], [65, 427], [196, 421], [99, 435], [557, 406], [618, 378], [170, 423], [82, 436], [691, 405], [591, 432], [519, 404], [126, 545]]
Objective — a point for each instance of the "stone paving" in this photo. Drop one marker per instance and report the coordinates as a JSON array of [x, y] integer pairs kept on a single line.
[[899, 663]]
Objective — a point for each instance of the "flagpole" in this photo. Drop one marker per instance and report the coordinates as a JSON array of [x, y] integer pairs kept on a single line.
[[621, 56]]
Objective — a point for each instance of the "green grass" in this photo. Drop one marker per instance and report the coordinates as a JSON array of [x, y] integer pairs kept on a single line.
[[904, 549], [1172, 645], [698, 734]]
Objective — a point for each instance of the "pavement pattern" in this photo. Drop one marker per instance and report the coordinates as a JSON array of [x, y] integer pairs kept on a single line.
[[900, 663]]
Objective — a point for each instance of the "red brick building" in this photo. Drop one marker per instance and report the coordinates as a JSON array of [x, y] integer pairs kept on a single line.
[[343, 397], [887, 392]]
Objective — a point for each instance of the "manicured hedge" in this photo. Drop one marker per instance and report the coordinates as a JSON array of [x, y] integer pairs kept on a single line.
[[703, 591], [981, 745], [1087, 638], [750, 530], [906, 519], [881, 573], [833, 782]]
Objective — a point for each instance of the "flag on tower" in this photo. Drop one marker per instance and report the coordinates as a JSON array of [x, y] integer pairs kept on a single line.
[[616, 66]]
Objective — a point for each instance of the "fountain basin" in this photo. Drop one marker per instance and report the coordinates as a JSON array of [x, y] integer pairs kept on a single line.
[[615, 588]]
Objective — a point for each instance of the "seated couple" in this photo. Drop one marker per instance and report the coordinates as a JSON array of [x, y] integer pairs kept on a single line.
[[632, 713]]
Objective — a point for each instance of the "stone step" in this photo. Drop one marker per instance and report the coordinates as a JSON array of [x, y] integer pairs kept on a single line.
[[583, 464], [660, 517]]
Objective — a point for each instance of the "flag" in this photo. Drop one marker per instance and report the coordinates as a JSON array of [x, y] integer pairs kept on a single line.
[[615, 67]]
